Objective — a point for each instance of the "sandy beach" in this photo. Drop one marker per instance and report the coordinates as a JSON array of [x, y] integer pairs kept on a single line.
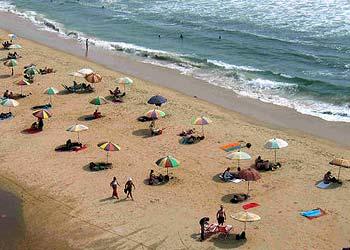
[[67, 206]]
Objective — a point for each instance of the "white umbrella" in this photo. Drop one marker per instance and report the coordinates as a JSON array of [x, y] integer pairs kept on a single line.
[[77, 128], [238, 155], [85, 71], [275, 144], [9, 103]]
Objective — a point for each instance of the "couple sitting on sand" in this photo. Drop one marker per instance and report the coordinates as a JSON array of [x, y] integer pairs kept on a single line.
[[189, 137], [265, 165], [328, 178], [37, 126], [117, 94], [11, 95], [155, 131], [155, 180], [228, 176], [6, 44]]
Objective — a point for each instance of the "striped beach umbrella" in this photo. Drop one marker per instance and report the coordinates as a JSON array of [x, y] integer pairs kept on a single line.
[[10, 103], [11, 64], [22, 83], [32, 70], [245, 217], [275, 144], [93, 78], [342, 163], [168, 162], [238, 155], [77, 129], [99, 100], [155, 114], [201, 121], [109, 146], [42, 114], [124, 81], [50, 91]]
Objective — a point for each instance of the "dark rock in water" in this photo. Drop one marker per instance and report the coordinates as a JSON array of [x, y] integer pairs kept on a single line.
[[51, 26]]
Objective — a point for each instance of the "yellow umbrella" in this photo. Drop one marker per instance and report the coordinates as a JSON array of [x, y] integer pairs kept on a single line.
[[342, 163], [77, 128], [245, 217]]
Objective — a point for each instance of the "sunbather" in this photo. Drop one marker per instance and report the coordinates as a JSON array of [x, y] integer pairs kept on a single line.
[[328, 178], [227, 175], [187, 132], [221, 215], [12, 55], [239, 198], [97, 114], [203, 222], [153, 179], [190, 139], [5, 115], [6, 94], [10, 96], [46, 70]]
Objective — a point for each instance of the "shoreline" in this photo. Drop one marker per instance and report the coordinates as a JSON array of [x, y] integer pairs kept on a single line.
[[255, 111]]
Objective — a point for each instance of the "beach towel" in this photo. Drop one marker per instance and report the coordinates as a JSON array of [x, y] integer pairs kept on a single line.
[[314, 213], [231, 147], [323, 185], [77, 149], [250, 205], [232, 180]]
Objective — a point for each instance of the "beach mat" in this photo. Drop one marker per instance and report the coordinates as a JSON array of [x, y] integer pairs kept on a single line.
[[313, 214], [250, 205], [323, 185]]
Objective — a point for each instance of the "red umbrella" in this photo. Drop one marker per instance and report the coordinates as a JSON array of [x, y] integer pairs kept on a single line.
[[249, 174]]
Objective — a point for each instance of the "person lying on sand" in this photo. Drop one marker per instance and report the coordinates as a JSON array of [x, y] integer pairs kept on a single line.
[[328, 178], [239, 198], [97, 114], [46, 70]]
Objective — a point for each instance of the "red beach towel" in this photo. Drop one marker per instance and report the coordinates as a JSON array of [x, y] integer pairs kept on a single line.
[[250, 205]]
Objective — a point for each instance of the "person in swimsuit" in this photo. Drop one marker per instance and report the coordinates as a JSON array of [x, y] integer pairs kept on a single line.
[[114, 184], [129, 185], [221, 215]]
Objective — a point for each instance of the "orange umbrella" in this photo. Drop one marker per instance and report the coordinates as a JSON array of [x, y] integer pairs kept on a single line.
[[93, 78]]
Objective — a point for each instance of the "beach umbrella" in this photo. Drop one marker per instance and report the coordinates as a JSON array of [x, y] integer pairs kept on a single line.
[[11, 64], [31, 71], [168, 162], [93, 78], [157, 100], [238, 155], [15, 46], [85, 71], [9, 103], [245, 217], [99, 100], [50, 91], [341, 163], [201, 121], [109, 146], [235, 146], [77, 129], [125, 81], [275, 144], [249, 175], [22, 83], [155, 114], [42, 114]]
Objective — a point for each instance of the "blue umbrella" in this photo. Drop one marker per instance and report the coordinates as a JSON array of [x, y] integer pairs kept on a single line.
[[157, 100]]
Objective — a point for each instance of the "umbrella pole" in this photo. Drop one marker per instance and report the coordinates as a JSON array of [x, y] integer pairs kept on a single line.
[[248, 188], [245, 226], [275, 156], [124, 87], [12, 71], [50, 99], [202, 130], [21, 90], [167, 171], [339, 172], [78, 137], [107, 156]]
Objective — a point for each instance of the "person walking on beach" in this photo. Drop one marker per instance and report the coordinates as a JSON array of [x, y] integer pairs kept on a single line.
[[204, 221], [221, 215], [181, 37], [129, 186], [114, 184], [86, 46]]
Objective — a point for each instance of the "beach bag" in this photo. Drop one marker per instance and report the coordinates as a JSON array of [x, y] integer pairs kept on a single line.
[[125, 190]]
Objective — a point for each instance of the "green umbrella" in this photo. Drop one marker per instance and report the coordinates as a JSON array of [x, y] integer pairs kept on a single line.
[[15, 46], [99, 100], [31, 71], [125, 81], [168, 162], [11, 63], [51, 91]]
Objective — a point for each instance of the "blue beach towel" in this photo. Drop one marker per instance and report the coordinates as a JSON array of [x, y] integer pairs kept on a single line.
[[323, 185], [311, 213]]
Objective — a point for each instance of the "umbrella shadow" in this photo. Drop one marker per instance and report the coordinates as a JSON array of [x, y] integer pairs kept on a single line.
[[216, 178], [146, 182], [85, 118], [29, 131], [227, 243], [106, 199], [332, 186], [64, 92], [144, 133]]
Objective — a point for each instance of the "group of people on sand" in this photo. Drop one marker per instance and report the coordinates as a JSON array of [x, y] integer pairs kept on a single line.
[[6, 44], [221, 218], [189, 136], [128, 188], [8, 95], [157, 179], [39, 125], [13, 55]]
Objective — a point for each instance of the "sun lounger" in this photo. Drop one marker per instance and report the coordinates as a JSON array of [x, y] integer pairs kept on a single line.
[[214, 228], [97, 166], [224, 230], [45, 106]]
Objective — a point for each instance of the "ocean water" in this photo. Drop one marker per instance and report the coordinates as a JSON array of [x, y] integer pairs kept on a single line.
[[294, 53]]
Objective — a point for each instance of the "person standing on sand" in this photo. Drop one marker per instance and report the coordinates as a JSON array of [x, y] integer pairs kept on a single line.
[[129, 185], [86, 46], [114, 184], [221, 215], [204, 221]]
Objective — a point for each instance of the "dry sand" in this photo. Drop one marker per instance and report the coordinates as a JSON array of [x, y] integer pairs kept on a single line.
[[67, 206]]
